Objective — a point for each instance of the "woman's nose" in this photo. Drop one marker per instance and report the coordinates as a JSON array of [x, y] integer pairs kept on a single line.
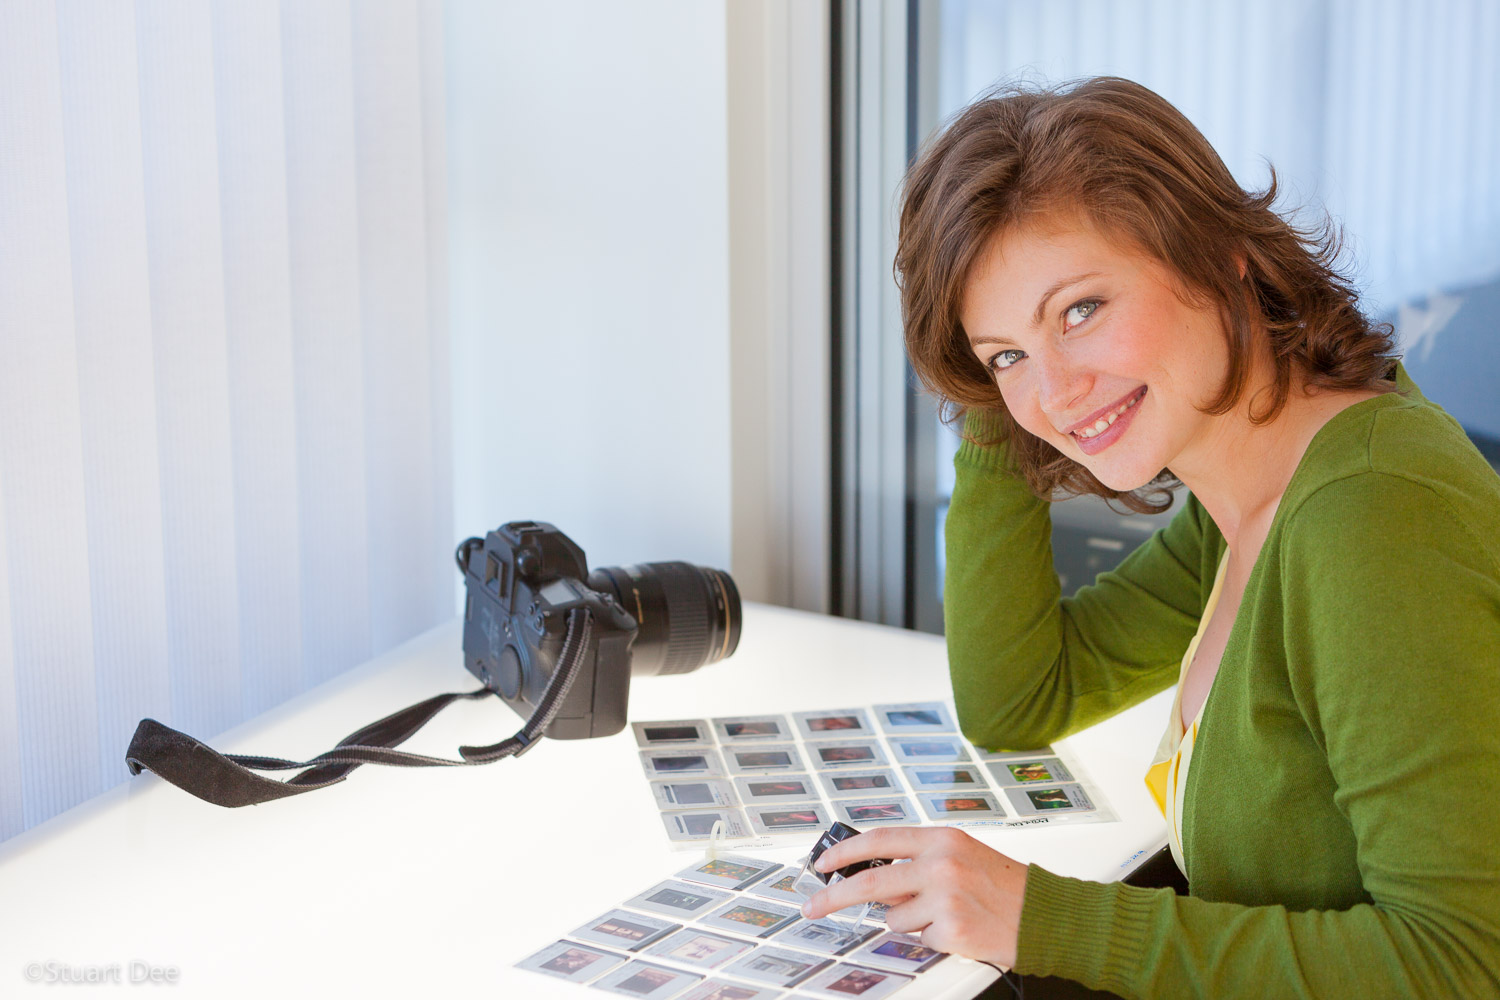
[[1061, 385]]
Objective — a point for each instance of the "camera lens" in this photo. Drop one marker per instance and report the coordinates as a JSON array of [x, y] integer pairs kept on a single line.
[[687, 615]]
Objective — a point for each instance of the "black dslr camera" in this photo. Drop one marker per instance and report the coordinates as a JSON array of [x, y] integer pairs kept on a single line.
[[525, 579]]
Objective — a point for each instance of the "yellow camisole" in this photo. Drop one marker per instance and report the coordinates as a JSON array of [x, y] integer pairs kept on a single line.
[[1167, 775]]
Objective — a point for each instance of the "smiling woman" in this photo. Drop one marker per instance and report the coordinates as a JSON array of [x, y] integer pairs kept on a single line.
[[1084, 284]]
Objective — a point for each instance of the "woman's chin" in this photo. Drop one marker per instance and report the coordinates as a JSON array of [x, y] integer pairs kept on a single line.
[[1122, 479]]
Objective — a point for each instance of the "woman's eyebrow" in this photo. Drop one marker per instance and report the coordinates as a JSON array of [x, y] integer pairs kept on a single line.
[[1041, 307], [976, 341]]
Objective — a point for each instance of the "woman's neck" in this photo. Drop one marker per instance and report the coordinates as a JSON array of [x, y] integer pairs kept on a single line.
[[1242, 469]]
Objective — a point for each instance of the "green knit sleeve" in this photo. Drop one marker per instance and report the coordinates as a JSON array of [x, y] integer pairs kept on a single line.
[[1392, 625], [1029, 667]]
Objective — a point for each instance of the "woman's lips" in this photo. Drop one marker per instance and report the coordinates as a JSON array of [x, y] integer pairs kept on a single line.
[[1115, 420]]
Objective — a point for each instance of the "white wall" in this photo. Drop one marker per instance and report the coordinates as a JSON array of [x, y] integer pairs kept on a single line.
[[589, 262]]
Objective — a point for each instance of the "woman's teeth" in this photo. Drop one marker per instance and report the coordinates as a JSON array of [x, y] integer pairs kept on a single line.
[[1102, 424]]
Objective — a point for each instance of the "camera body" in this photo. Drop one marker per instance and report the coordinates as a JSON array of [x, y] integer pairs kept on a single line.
[[520, 587], [525, 578]]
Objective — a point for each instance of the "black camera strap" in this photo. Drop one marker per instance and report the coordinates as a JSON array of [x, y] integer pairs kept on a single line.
[[230, 779]]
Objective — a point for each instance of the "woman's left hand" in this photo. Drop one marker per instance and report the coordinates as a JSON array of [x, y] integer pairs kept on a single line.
[[959, 895]]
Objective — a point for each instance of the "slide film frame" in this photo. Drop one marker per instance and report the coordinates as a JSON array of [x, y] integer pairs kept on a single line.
[[673, 940], [773, 777]]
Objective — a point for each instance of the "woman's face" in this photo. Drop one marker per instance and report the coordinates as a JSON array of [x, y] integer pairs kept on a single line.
[[1095, 353]]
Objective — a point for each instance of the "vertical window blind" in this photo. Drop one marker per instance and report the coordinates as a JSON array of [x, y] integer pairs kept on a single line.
[[225, 442]]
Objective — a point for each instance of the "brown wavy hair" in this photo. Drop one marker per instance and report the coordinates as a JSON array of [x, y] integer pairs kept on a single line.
[[1126, 160]]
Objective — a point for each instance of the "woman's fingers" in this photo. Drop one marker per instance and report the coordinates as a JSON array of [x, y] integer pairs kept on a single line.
[[888, 842], [959, 895], [892, 884], [912, 917], [888, 883]]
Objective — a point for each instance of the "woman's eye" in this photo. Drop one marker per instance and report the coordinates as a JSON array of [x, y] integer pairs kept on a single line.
[[1005, 359], [1078, 312]]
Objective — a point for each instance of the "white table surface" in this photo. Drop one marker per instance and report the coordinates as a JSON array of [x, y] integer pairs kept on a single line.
[[433, 882]]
